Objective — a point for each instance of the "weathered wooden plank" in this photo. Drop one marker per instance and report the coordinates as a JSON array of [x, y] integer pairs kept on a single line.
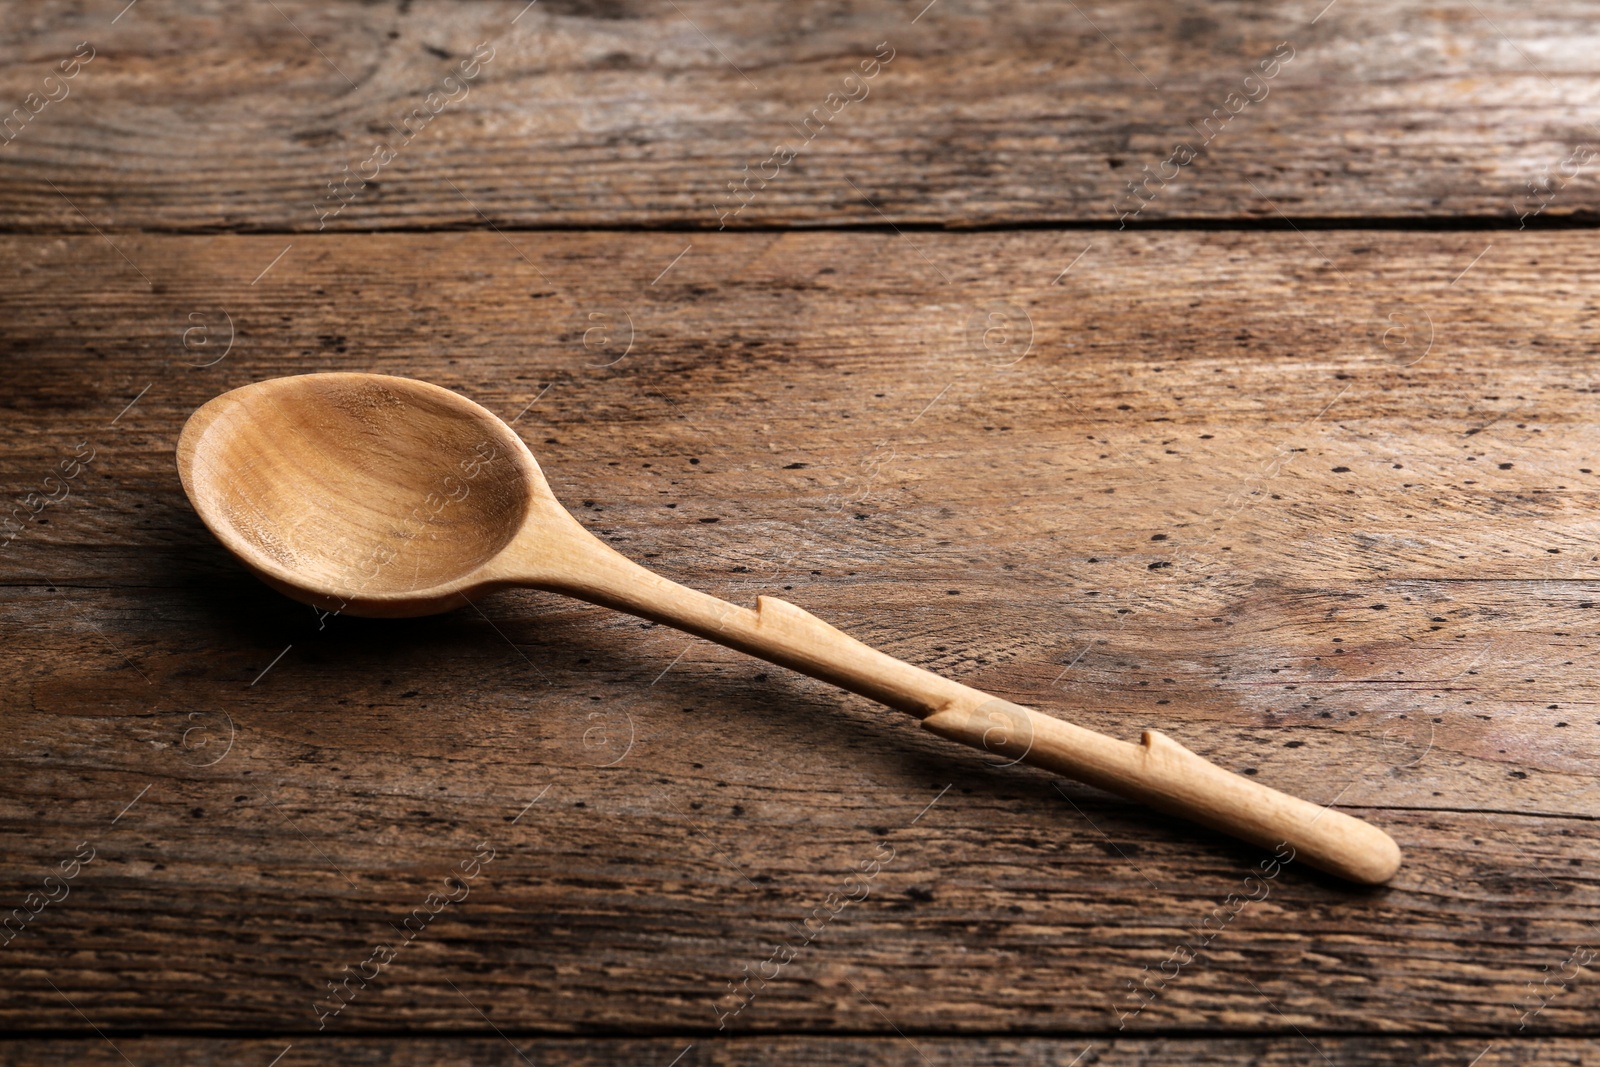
[[1360, 602], [911, 1051], [211, 116]]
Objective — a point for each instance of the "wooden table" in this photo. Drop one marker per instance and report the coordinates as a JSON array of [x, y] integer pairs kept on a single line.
[[1223, 370]]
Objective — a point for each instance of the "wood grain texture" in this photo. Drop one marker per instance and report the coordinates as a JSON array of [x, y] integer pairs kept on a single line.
[[210, 116], [914, 1050], [1227, 491]]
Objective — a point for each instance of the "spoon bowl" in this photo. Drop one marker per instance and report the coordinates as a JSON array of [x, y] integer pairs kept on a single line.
[[363, 493], [375, 495]]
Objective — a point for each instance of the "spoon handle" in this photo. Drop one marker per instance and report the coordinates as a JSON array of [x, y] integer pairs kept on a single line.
[[1157, 771]]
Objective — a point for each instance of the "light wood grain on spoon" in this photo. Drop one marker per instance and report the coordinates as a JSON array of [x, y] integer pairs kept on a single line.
[[384, 496]]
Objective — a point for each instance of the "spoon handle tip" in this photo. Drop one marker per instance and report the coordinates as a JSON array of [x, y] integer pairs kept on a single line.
[[1165, 775]]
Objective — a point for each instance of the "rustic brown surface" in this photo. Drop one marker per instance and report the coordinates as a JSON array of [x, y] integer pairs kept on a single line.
[[1319, 503], [912, 1050], [1166, 372], [224, 116]]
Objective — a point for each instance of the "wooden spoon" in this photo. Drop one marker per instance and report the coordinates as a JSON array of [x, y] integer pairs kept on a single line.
[[382, 496]]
